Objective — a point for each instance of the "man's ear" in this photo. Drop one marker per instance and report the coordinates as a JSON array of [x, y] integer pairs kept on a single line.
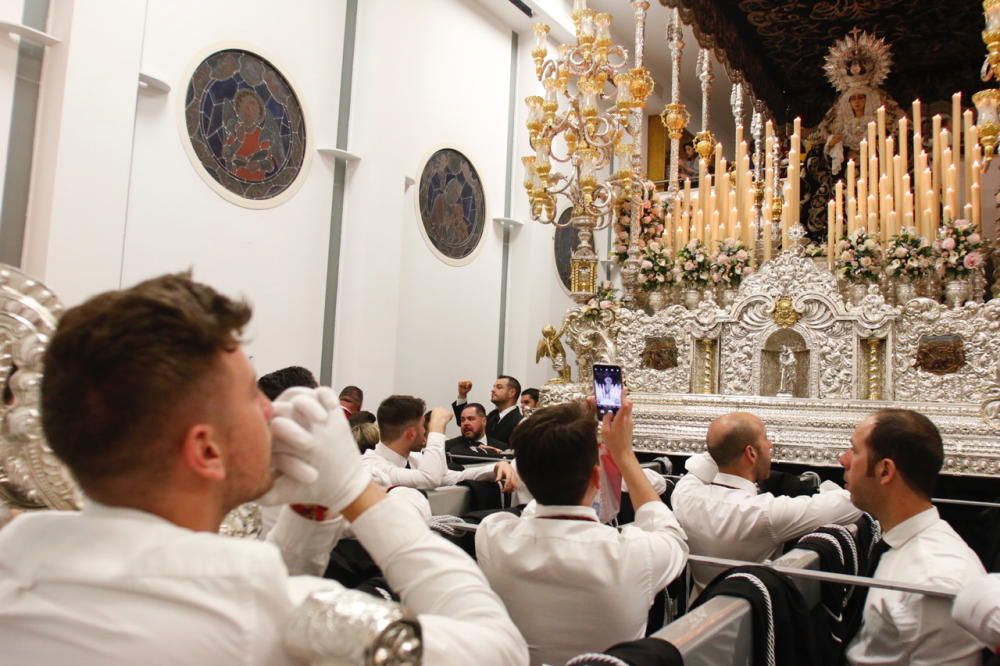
[[886, 471], [202, 453], [750, 451]]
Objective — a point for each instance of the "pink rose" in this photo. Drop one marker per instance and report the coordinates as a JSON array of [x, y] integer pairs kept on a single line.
[[948, 243], [654, 246], [647, 264], [973, 260], [900, 252], [647, 204], [961, 224], [605, 305], [689, 265], [741, 255], [974, 239]]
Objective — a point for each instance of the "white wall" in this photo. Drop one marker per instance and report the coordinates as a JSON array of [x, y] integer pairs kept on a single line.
[[115, 198], [10, 10], [276, 257], [406, 321]]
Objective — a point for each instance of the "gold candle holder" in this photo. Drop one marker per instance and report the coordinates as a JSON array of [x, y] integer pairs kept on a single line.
[[704, 144], [675, 118]]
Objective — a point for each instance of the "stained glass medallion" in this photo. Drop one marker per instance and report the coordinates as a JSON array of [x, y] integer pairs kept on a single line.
[[452, 205], [245, 125]]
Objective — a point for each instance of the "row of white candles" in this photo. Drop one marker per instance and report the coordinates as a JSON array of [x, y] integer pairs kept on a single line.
[[883, 198], [879, 195]]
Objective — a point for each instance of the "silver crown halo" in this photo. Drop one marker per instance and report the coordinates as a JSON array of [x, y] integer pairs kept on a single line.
[[860, 59]]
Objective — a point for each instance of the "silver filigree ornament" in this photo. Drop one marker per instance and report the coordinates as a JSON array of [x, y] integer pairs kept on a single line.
[[670, 418], [347, 627]]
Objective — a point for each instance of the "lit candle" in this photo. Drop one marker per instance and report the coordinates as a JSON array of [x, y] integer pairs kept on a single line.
[[699, 226], [888, 217], [884, 188], [716, 229], [839, 218], [863, 159], [786, 193], [891, 229], [863, 198], [880, 114], [936, 173], [851, 194], [907, 195], [904, 142], [977, 208], [831, 225], [956, 124]]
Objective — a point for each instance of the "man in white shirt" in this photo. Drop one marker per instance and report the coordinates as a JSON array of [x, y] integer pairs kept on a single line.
[[152, 404], [717, 503], [409, 456], [890, 469], [571, 584]]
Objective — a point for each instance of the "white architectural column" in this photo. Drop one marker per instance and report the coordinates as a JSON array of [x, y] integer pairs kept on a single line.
[[83, 146]]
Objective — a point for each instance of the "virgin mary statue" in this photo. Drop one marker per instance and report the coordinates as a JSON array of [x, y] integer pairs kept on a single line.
[[857, 65]]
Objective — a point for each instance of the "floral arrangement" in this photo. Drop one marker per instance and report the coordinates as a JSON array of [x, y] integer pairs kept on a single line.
[[651, 223], [656, 267], [814, 249], [959, 248], [858, 257], [731, 263], [693, 264], [908, 255], [606, 298]]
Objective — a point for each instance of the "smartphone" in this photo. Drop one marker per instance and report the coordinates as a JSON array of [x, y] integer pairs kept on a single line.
[[607, 389]]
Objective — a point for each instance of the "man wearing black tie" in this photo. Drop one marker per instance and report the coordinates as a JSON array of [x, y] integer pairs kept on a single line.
[[890, 469], [474, 441], [501, 421]]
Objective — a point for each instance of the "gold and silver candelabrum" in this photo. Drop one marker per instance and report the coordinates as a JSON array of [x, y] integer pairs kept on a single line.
[[591, 112]]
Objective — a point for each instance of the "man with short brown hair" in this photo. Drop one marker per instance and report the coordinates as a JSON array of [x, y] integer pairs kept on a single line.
[[890, 469], [151, 402]]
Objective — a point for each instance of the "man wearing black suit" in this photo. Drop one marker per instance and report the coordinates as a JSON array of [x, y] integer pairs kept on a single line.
[[501, 421], [474, 440]]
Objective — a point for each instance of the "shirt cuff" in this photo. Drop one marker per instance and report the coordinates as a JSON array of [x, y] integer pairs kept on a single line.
[[387, 527]]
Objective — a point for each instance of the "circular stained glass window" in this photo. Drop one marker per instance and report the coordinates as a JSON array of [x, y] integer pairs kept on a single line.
[[452, 204], [245, 124]]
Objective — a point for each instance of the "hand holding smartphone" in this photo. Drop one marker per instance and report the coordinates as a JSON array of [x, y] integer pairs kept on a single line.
[[607, 389]]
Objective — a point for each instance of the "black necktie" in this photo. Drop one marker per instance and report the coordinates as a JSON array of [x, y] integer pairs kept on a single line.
[[878, 550], [407, 464]]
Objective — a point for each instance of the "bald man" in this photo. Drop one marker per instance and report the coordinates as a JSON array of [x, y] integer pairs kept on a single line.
[[718, 506]]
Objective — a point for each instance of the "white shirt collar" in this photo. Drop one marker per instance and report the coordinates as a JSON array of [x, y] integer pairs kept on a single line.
[[572, 510], [911, 527], [507, 411], [483, 439], [383, 451], [735, 482]]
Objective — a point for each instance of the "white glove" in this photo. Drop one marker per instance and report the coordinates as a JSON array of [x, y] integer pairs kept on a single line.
[[316, 456]]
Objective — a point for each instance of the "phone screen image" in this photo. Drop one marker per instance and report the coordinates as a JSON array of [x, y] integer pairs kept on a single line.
[[607, 389]]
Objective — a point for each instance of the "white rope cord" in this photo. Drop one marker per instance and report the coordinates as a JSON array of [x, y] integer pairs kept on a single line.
[[588, 658], [756, 582]]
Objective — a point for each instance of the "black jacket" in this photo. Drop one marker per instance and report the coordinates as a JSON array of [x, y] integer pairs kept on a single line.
[[788, 631], [496, 427], [460, 446]]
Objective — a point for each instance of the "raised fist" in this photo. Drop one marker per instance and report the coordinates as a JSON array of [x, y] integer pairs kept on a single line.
[[464, 386]]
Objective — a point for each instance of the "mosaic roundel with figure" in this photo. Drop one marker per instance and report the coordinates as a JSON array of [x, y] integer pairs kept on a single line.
[[452, 204], [245, 124]]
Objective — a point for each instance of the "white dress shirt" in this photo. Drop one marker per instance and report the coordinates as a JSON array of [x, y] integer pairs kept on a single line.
[[727, 518], [119, 586], [977, 610], [573, 585], [428, 469], [908, 628]]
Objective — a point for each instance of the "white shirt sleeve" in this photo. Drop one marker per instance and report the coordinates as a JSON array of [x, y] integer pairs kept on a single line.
[[977, 610], [792, 517], [657, 531], [429, 475], [463, 620], [656, 480], [305, 544]]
